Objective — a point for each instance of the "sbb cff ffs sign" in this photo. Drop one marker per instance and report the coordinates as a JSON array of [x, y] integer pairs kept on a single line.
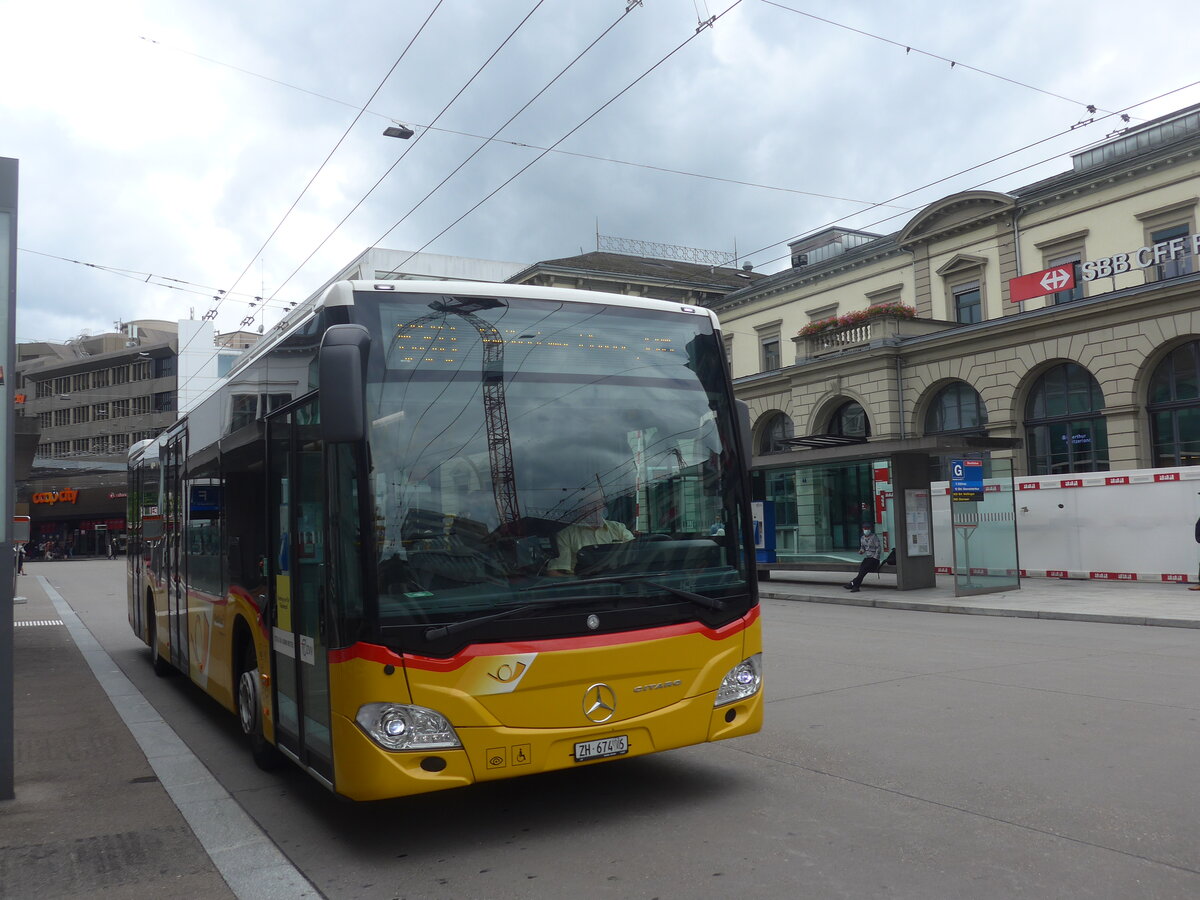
[[1038, 284], [966, 480]]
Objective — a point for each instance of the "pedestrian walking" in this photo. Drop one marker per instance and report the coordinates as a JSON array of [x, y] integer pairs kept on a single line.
[[19, 550]]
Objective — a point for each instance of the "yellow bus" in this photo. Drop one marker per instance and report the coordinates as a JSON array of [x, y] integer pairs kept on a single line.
[[426, 534]]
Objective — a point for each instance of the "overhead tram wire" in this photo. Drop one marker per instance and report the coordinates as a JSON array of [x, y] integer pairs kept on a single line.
[[381, 178], [321, 167], [515, 143], [1085, 123], [413, 143], [830, 224], [701, 27], [909, 48], [178, 284], [345, 134], [473, 153]]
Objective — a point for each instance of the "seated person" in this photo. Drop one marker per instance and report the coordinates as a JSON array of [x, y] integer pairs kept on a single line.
[[591, 530]]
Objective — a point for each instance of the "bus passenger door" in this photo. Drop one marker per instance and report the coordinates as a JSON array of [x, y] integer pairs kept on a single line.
[[298, 571], [174, 521]]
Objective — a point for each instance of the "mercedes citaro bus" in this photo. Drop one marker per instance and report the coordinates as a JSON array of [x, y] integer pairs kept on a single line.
[[426, 534]]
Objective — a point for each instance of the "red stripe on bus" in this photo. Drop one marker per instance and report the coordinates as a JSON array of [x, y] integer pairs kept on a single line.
[[384, 656]]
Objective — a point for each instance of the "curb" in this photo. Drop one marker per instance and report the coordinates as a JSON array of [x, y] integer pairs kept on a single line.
[[917, 606]]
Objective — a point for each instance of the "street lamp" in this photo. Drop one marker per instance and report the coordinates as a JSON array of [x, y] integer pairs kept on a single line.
[[398, 131]]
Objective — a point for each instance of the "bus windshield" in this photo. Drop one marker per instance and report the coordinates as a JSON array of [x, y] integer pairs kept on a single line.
[[527, 453]]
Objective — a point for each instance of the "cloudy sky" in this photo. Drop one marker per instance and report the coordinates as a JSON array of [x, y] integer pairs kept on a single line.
[[163, 143]]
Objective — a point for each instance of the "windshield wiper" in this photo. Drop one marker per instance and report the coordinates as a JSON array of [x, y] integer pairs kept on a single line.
[[698, 599], [441, 631], [438, 632]]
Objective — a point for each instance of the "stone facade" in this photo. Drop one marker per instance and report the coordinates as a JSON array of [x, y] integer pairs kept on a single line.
[[1123, 198]]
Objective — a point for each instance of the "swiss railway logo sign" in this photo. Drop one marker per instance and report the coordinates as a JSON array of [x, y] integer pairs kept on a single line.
[[1038, 284]]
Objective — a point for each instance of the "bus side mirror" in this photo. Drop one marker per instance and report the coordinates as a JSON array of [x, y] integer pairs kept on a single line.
[[341, 379], [743, 419]]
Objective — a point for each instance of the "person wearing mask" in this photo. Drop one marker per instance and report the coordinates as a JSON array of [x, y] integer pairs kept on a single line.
[[870, 548]]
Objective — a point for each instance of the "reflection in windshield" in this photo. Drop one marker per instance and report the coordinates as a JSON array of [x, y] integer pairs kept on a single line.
[[519, 442]]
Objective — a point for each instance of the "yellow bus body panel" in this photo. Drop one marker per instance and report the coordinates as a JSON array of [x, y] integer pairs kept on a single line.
[[520, 708]]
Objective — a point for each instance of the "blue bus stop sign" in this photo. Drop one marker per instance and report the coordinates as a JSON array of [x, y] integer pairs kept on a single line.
[[966, 480]]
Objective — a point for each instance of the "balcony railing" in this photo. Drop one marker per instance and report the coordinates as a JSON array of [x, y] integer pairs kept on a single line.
[[863, 334]]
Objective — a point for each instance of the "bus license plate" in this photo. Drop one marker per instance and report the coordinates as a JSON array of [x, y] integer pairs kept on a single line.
[[609, 746]]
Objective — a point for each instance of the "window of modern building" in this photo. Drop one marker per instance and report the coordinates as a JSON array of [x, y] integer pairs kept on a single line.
[[79, 445], [1065, 430], [850, 420], [243, 410], [142, 370], [120, 374], [45, 388], [141, 405], [62, 417], [777, 430], [100, 444], [100, 378], [100, 411], [968, 302], [164, 366], [62, 384], [80, 382], [44, 420], [1173, 405], [81, 415], [164, 401], [61, 448], [118, 409]]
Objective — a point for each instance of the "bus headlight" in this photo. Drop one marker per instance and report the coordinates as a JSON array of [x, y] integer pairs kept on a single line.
[[740, 682], [396, 727]]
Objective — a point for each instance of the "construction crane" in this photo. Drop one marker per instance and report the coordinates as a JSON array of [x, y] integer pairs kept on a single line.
[[495, 411]]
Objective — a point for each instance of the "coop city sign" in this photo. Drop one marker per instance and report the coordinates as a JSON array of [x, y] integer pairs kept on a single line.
[[52, 497]]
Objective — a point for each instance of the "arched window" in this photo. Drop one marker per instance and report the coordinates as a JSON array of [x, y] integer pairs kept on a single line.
[[777, 430], [1064, 430], [850, 420], [957, 407], [1174, 408]]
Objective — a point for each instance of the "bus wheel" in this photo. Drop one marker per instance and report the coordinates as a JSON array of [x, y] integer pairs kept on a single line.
[[162, 668], [249, 708]]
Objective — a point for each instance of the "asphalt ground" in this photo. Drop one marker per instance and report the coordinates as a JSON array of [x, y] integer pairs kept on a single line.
[[109, 802]]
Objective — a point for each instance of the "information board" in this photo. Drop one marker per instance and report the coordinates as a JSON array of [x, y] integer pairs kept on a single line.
[[966, 480]]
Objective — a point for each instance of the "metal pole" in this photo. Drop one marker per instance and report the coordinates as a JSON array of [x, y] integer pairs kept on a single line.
[[8, 314]]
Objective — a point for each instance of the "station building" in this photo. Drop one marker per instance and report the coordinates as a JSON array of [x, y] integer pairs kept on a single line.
[[919, 344]]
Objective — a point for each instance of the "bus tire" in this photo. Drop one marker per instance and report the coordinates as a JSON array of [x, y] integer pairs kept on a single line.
[[250, 711], [162, 668]]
